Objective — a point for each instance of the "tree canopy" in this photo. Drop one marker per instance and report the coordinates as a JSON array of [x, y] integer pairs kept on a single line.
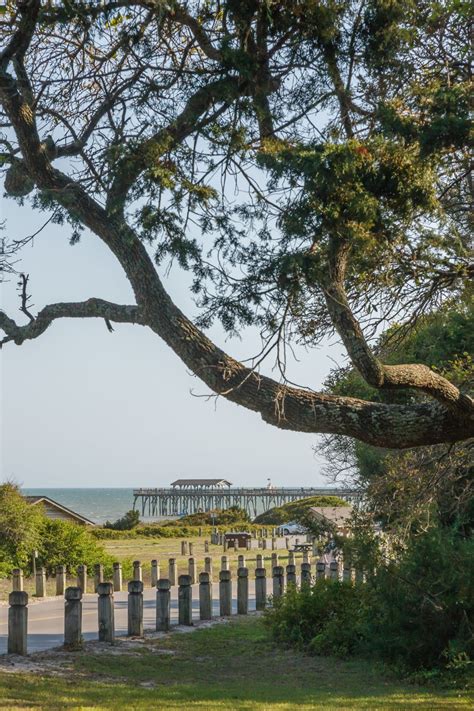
[[308, 161]]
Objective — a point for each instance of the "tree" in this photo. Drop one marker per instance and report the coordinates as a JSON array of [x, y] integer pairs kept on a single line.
[[364, 217], [19, 528]]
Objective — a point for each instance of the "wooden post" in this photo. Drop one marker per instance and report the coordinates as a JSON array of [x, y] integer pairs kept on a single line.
[[225, 593], [206, 546], [163, 599], [192, 570], [82, 578], [305, 574], [199, 531], [264, 544], [320, 570], [278, 581], [98, 575], [291, 558], [291, 575], [17, 580], [248, 544], [117, 577], [306, 557], [105, 608], [242, 591], [225, 562], [241, 561], [184, 548], [274, 543], [73, 618], [137, 570], [334, 570], [260, 588], [205, 597], [172, 571], [185, 601], [17, 622], [274, 560], [135, 608], [191, 548], [208, 567], [60, 580], [259, 561], [224, 544], [155, 573], [40, 582], [287, 543]]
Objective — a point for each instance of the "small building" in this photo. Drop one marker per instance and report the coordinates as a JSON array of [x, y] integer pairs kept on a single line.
[[237, 539], [201, 484], [337, 517], [54, 510]]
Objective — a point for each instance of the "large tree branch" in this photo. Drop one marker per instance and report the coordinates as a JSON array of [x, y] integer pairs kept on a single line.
[[285, 407], [374, 372], [92, 308]]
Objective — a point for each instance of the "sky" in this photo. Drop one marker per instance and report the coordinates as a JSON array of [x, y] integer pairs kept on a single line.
[[81, 407]]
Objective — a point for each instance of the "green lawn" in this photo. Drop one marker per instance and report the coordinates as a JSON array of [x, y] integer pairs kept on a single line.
[[229, 667]]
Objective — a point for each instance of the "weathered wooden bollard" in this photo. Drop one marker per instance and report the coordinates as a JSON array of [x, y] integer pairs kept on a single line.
[[242, 591], [184, 548], [254, 533], [334, 570], [278, 581], [191, 549], [264, 544], [208, 566], [274, 543], [259, 560], [163, 600], [199, 531], [225, 562], [305, 574], [320, 570], [17, 580], [135, 608], [241, 561], [117, 577], [105, 609], [82, 578], [192, 570], [73, 618], [291, 558], [274, 560], [185, 601], [155, 573], [287, 543], [225, 593], [172, 571], [137, 570], [206, 546], [347, 572], [98, 575], [224, 544], [17, 622], [205, 596], [248, 544], [260, 588], [305, 556], [60, 580], [40, 580], [291, 574]]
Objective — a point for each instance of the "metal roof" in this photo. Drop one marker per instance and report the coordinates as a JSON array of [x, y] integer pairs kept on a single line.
[[200, 482]]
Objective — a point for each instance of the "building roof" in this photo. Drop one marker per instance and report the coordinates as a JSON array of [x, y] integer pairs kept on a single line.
[[200, 482], [45, 499], [338, 515]]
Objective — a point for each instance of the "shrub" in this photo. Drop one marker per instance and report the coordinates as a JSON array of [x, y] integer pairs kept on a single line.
[[296, 510], [128, 521], [65, 543], [19, 528]]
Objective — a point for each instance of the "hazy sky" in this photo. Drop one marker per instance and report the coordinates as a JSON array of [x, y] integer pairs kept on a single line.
[[83, 407]]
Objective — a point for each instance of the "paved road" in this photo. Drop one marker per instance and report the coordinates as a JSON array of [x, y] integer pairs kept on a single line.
[[46, 618]]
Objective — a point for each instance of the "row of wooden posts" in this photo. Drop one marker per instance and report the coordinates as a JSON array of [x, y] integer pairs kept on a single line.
[[117, 577], [18, 600]]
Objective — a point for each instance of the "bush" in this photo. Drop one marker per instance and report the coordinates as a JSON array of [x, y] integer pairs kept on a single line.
[[296, 510], [19, 528], [128, 521], [233, 515], [65, 543], [416, 613]]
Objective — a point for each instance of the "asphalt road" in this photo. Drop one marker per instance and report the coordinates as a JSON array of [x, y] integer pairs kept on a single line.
[[46, 618]]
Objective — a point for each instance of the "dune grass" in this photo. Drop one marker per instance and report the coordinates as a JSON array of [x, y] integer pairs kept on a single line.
[[232, 666]]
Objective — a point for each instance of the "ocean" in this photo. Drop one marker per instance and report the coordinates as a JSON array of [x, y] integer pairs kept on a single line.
[[99, 505]]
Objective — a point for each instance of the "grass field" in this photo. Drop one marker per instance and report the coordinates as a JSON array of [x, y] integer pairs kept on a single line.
[[146, 549], [228, 667]]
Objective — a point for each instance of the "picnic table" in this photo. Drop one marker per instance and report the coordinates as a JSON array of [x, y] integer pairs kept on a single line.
[[302, 547]]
